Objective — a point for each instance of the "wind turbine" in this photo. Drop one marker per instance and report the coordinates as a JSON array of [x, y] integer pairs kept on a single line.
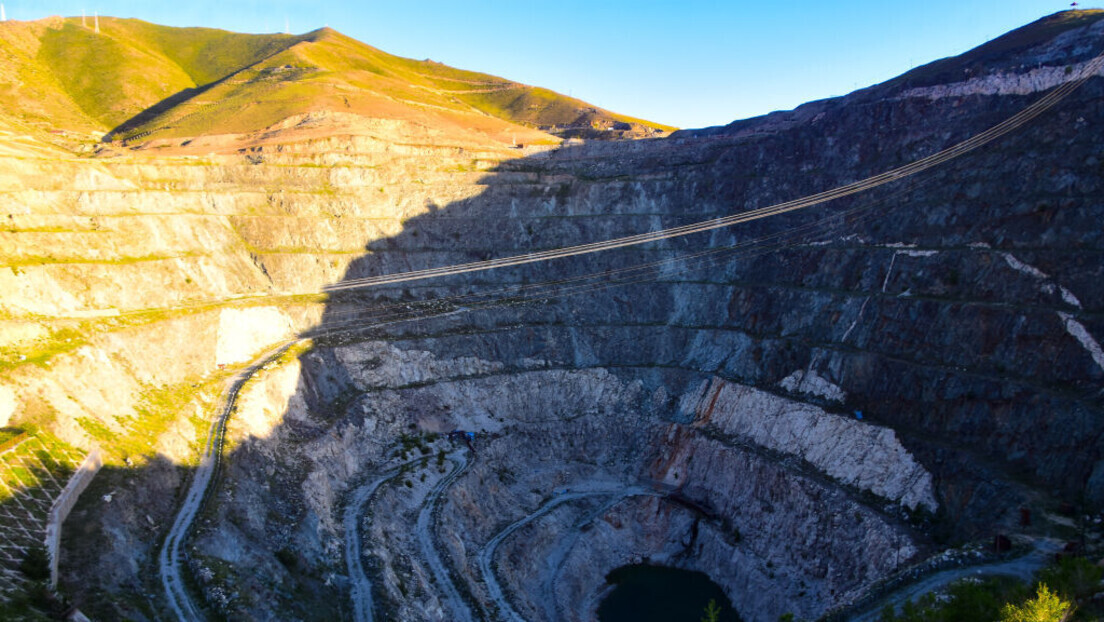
[[97, 18], [3, 16]]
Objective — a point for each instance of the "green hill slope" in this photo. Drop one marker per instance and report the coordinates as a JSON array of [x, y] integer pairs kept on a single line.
[[138, 80], [33, 96]]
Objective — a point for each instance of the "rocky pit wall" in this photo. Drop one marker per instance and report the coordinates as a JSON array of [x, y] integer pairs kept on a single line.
[[134, 286], [742, 378], [959, 312], [779, 537], [125, 275]]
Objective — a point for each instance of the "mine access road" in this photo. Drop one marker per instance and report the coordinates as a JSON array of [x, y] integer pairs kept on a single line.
[[361, 585], [171, 558], [486, 554]]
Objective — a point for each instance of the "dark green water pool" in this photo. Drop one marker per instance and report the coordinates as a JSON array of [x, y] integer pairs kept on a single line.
[[660, 594]]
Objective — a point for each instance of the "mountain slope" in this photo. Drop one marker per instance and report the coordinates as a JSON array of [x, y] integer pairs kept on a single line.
[[1051, 42], [132, 65], [994, 54], [137, 80], [32, 94]]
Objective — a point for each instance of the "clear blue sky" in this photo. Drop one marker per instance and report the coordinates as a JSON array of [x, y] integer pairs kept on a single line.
[[689, 63]]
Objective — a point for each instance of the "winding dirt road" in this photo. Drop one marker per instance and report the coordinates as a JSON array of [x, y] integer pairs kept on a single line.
[[171, 559], [1023, 568], [486, 554], [363, 606], [424, 529], [361, 586]]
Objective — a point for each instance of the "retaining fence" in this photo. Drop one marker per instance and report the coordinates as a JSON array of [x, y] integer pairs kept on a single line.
[[59, 511], [13, 442]]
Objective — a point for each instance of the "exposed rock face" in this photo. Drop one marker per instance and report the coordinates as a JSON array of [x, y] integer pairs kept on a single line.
[[544, 434], [868, 457], [244, 332], [1026, 83], [697, 413]]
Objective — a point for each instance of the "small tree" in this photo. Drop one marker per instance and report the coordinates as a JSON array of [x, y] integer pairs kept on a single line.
[[712, 612], [1045, 607]]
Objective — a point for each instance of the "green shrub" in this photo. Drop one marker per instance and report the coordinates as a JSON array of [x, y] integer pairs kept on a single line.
[[967, 600], [1045, 607], [36, 564], [1072, 577]]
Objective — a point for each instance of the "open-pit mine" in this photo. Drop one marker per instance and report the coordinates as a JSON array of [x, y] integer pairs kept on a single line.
[[293, 329]]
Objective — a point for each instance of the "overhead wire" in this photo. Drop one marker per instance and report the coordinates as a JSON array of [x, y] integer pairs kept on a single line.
[[596, 281], [513, 290], [1032, 111], [516, 288], [602, 279], [1014, 122]]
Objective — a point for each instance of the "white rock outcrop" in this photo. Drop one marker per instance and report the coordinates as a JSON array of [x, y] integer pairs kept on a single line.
[[242, 333], [267, 400], [8, 405], [868, 457], [1025, 83], [811, 383]]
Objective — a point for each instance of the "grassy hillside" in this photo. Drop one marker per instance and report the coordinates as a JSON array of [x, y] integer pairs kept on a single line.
[[110, 79], [138, 80], [328, 71], [33, 96]]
